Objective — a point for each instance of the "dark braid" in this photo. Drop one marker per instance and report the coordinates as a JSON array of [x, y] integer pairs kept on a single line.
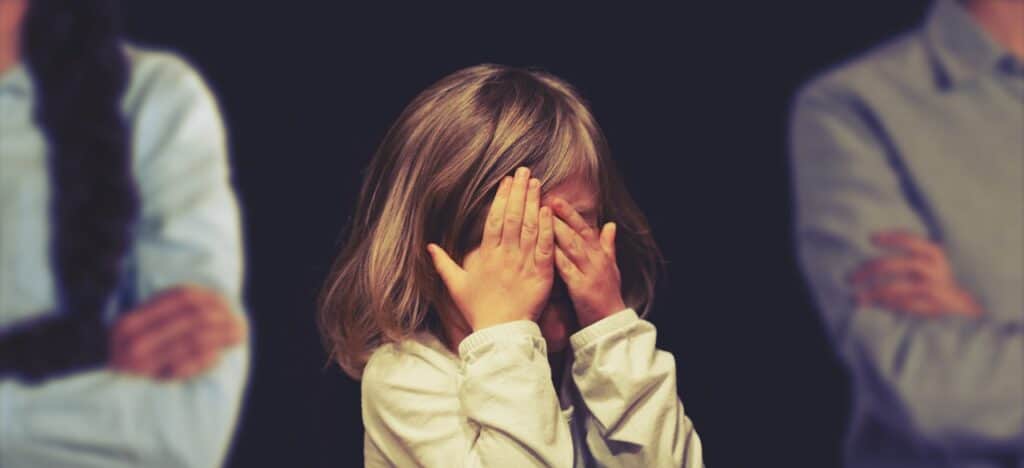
[[73, 52]]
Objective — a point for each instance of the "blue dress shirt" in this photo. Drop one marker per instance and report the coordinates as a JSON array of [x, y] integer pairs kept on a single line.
[[923, 134]]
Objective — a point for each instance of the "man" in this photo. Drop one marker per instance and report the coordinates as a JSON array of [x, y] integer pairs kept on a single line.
[[908, 165]]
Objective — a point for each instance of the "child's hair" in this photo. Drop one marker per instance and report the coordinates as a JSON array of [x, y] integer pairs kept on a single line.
[[433, 179]]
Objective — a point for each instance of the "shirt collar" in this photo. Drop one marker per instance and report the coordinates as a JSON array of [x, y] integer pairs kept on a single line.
[[959, 44], [16, 81]]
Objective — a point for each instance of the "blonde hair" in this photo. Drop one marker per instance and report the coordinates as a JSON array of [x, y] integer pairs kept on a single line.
[[432, 180]]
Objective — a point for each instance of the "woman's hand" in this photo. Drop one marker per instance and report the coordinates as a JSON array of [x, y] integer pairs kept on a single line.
[[917, 279], [510, 276], [587, 263], [177, 334]]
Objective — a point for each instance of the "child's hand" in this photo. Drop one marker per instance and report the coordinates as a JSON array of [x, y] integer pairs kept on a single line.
[[586, 261], [510, 276]]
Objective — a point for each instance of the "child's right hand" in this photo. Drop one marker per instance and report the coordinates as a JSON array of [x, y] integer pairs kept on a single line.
[[509, 276]]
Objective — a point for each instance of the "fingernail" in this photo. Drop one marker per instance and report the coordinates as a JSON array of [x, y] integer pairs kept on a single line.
[[522, 172]]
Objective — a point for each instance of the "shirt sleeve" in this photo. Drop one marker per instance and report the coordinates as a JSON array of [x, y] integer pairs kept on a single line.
[[499, 408], [951, 382], [634, 414]]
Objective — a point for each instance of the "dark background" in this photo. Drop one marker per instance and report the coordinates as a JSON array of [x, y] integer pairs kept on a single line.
[[694, 101]]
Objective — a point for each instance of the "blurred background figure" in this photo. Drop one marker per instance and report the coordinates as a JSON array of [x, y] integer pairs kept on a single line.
[[909, 170], [121, 323]]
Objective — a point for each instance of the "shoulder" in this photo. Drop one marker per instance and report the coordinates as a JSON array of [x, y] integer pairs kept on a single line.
[[410, 404], [172, 112], [417, 365], [164, 78], [897, 68]]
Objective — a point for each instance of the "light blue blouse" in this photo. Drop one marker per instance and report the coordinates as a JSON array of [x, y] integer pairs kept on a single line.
[[189, 232]]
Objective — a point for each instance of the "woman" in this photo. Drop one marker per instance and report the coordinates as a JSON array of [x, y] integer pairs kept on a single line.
[[514, 341], [120, 260]]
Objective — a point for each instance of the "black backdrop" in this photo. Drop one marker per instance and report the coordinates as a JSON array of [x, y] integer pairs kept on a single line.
[[694, 101]]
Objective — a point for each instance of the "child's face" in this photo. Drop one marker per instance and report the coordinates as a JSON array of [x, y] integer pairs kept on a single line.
[[558, 319]]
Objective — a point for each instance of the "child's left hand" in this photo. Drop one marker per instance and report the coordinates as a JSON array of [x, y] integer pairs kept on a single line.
[[587, 263]]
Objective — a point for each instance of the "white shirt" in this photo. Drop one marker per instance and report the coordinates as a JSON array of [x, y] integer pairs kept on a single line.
[[494, 405]]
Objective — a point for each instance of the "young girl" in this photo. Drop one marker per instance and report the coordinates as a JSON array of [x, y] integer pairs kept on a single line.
[[490, 320]]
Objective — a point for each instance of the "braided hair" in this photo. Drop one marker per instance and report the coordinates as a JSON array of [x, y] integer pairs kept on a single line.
[[73, 53], [72, 49]]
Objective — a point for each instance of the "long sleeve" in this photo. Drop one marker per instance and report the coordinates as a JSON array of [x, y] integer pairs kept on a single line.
[[634, 415], [495, 406], [189, 232], [951, 383]]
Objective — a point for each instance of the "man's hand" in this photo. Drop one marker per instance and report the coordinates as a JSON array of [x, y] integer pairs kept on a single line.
[[176, 335], [916, 278]]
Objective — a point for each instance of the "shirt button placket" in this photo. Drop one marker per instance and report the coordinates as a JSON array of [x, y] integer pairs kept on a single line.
[[5, 146], [5, 126]]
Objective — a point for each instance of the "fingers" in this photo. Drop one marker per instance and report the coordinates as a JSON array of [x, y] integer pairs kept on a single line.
[[188, 320], [451, 273], [510, 232], [150, 322], [921, 298], [186, 357], [574, 220], [531, 221], [153, 349], [902, 296], [496, 217], [891, 292], [163, 306], [571, 244], [545, 251], [911, 268], [193, 367], [912, 244], [608, 239], [570, 273]]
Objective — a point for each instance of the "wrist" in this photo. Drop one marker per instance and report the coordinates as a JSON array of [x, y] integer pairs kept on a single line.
[[605, 327], [490, 322], [596, 314], [501, 332]]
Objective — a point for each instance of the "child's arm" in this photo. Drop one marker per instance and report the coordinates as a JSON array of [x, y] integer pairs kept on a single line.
[[635, 417], [628, 386], [495, 407]]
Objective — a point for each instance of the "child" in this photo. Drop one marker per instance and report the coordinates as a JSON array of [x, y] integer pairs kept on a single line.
[[462, 292]]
